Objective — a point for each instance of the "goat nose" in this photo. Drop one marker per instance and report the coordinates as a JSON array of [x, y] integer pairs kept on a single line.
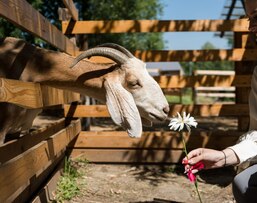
[[166, 109]]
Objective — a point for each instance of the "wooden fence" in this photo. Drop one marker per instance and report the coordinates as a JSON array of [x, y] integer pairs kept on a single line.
[[27, 163], [165, 146]]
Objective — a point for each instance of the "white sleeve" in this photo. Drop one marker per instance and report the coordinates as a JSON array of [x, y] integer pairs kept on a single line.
[[247, 148]]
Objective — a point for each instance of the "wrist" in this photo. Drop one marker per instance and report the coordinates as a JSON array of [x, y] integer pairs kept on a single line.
[[230, 157], [224, 158]]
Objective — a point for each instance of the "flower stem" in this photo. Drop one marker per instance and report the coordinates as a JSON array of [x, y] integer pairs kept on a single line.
[[184, 144], [185, 150], [196, 187]]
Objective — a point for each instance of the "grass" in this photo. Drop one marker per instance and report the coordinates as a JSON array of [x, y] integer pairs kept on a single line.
[[67, 187], [185, 99]]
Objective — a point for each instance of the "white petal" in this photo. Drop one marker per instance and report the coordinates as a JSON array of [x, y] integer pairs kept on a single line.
[[179, 116], [188, 127], [184, 115], [181, 126]]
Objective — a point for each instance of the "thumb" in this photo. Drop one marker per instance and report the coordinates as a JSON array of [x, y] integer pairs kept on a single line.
[[195, 160]]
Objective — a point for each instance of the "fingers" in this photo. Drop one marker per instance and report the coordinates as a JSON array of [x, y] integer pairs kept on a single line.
[[193, 157]]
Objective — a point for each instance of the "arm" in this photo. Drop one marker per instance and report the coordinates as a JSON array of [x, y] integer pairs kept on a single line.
[[246, 149], [211, 158]]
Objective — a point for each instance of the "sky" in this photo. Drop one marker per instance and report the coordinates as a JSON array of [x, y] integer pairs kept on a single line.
[[192, 10]]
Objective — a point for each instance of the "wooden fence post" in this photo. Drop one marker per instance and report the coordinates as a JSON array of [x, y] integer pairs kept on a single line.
[[248, 41]]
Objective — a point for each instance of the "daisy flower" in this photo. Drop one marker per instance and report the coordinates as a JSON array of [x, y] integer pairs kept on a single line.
[[179, 122]]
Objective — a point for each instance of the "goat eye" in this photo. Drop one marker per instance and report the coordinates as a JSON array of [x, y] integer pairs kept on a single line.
[[134, 84]]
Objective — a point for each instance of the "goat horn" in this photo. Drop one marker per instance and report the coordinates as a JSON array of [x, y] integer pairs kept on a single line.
[[110, 53], [118, 47]]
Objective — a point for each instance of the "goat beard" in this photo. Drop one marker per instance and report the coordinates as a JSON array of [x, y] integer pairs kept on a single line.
[[146, 122]]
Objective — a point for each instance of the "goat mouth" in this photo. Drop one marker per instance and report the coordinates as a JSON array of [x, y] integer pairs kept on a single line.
[[156, 117]]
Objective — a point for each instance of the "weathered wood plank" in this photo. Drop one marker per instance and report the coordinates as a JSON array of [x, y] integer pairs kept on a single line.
[[13, 148], [216, 139], [33, 95], [53, 96], [46, 194], [125, 26], [29, 189], [20, 170], [72, 9], [153, 147], [211, 110], [24, 94], [85, 111], [237, 54], [128, 156], [196, 110], [23, 15], [176, 81]]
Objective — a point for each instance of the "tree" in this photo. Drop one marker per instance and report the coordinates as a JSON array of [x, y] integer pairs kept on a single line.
[[126, 10], [100, 10]]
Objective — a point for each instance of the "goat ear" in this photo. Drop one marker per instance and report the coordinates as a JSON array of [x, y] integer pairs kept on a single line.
[[122, 107]]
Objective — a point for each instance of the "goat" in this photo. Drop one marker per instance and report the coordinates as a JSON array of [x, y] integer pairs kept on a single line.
[[129, 92]]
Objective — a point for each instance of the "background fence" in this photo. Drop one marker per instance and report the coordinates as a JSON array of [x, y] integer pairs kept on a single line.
[[28, 162]]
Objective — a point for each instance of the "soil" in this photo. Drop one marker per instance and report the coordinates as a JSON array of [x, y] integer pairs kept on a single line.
[[154, 184], [106, 183]]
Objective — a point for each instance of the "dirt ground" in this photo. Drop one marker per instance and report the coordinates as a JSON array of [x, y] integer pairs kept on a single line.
[[154, 184], [100, 183]]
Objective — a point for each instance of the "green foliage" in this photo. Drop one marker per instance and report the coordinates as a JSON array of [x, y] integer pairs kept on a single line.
[[186, 97], [123, 10], [47, 8], [98, 10], [67, 187]]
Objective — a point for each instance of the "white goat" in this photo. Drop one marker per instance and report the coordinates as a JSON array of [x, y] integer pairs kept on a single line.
[[128, 90]]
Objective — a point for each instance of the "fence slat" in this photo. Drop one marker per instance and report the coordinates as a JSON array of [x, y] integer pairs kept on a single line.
[[19, 171], [23, 15], [72, 9], [128, 156], [196, 110], [153, 147], [24, 94], [33, 95], [125, 26], [237, 54], [176, 81], [16, 147], [155, 140]]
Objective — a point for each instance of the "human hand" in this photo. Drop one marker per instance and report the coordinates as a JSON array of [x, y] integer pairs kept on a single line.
[[209, 157]]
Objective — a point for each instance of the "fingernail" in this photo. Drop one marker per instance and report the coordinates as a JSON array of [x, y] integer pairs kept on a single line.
[[184, 161]]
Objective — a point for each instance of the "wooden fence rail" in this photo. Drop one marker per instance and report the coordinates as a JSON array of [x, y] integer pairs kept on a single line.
[[22, 171], [23, 15], [153, 147], [33, 95], [126, 26], [228, 110], [26, 163]]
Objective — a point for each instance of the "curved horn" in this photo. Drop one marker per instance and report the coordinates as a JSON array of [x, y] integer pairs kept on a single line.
[[118, 47], [110, 53]]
